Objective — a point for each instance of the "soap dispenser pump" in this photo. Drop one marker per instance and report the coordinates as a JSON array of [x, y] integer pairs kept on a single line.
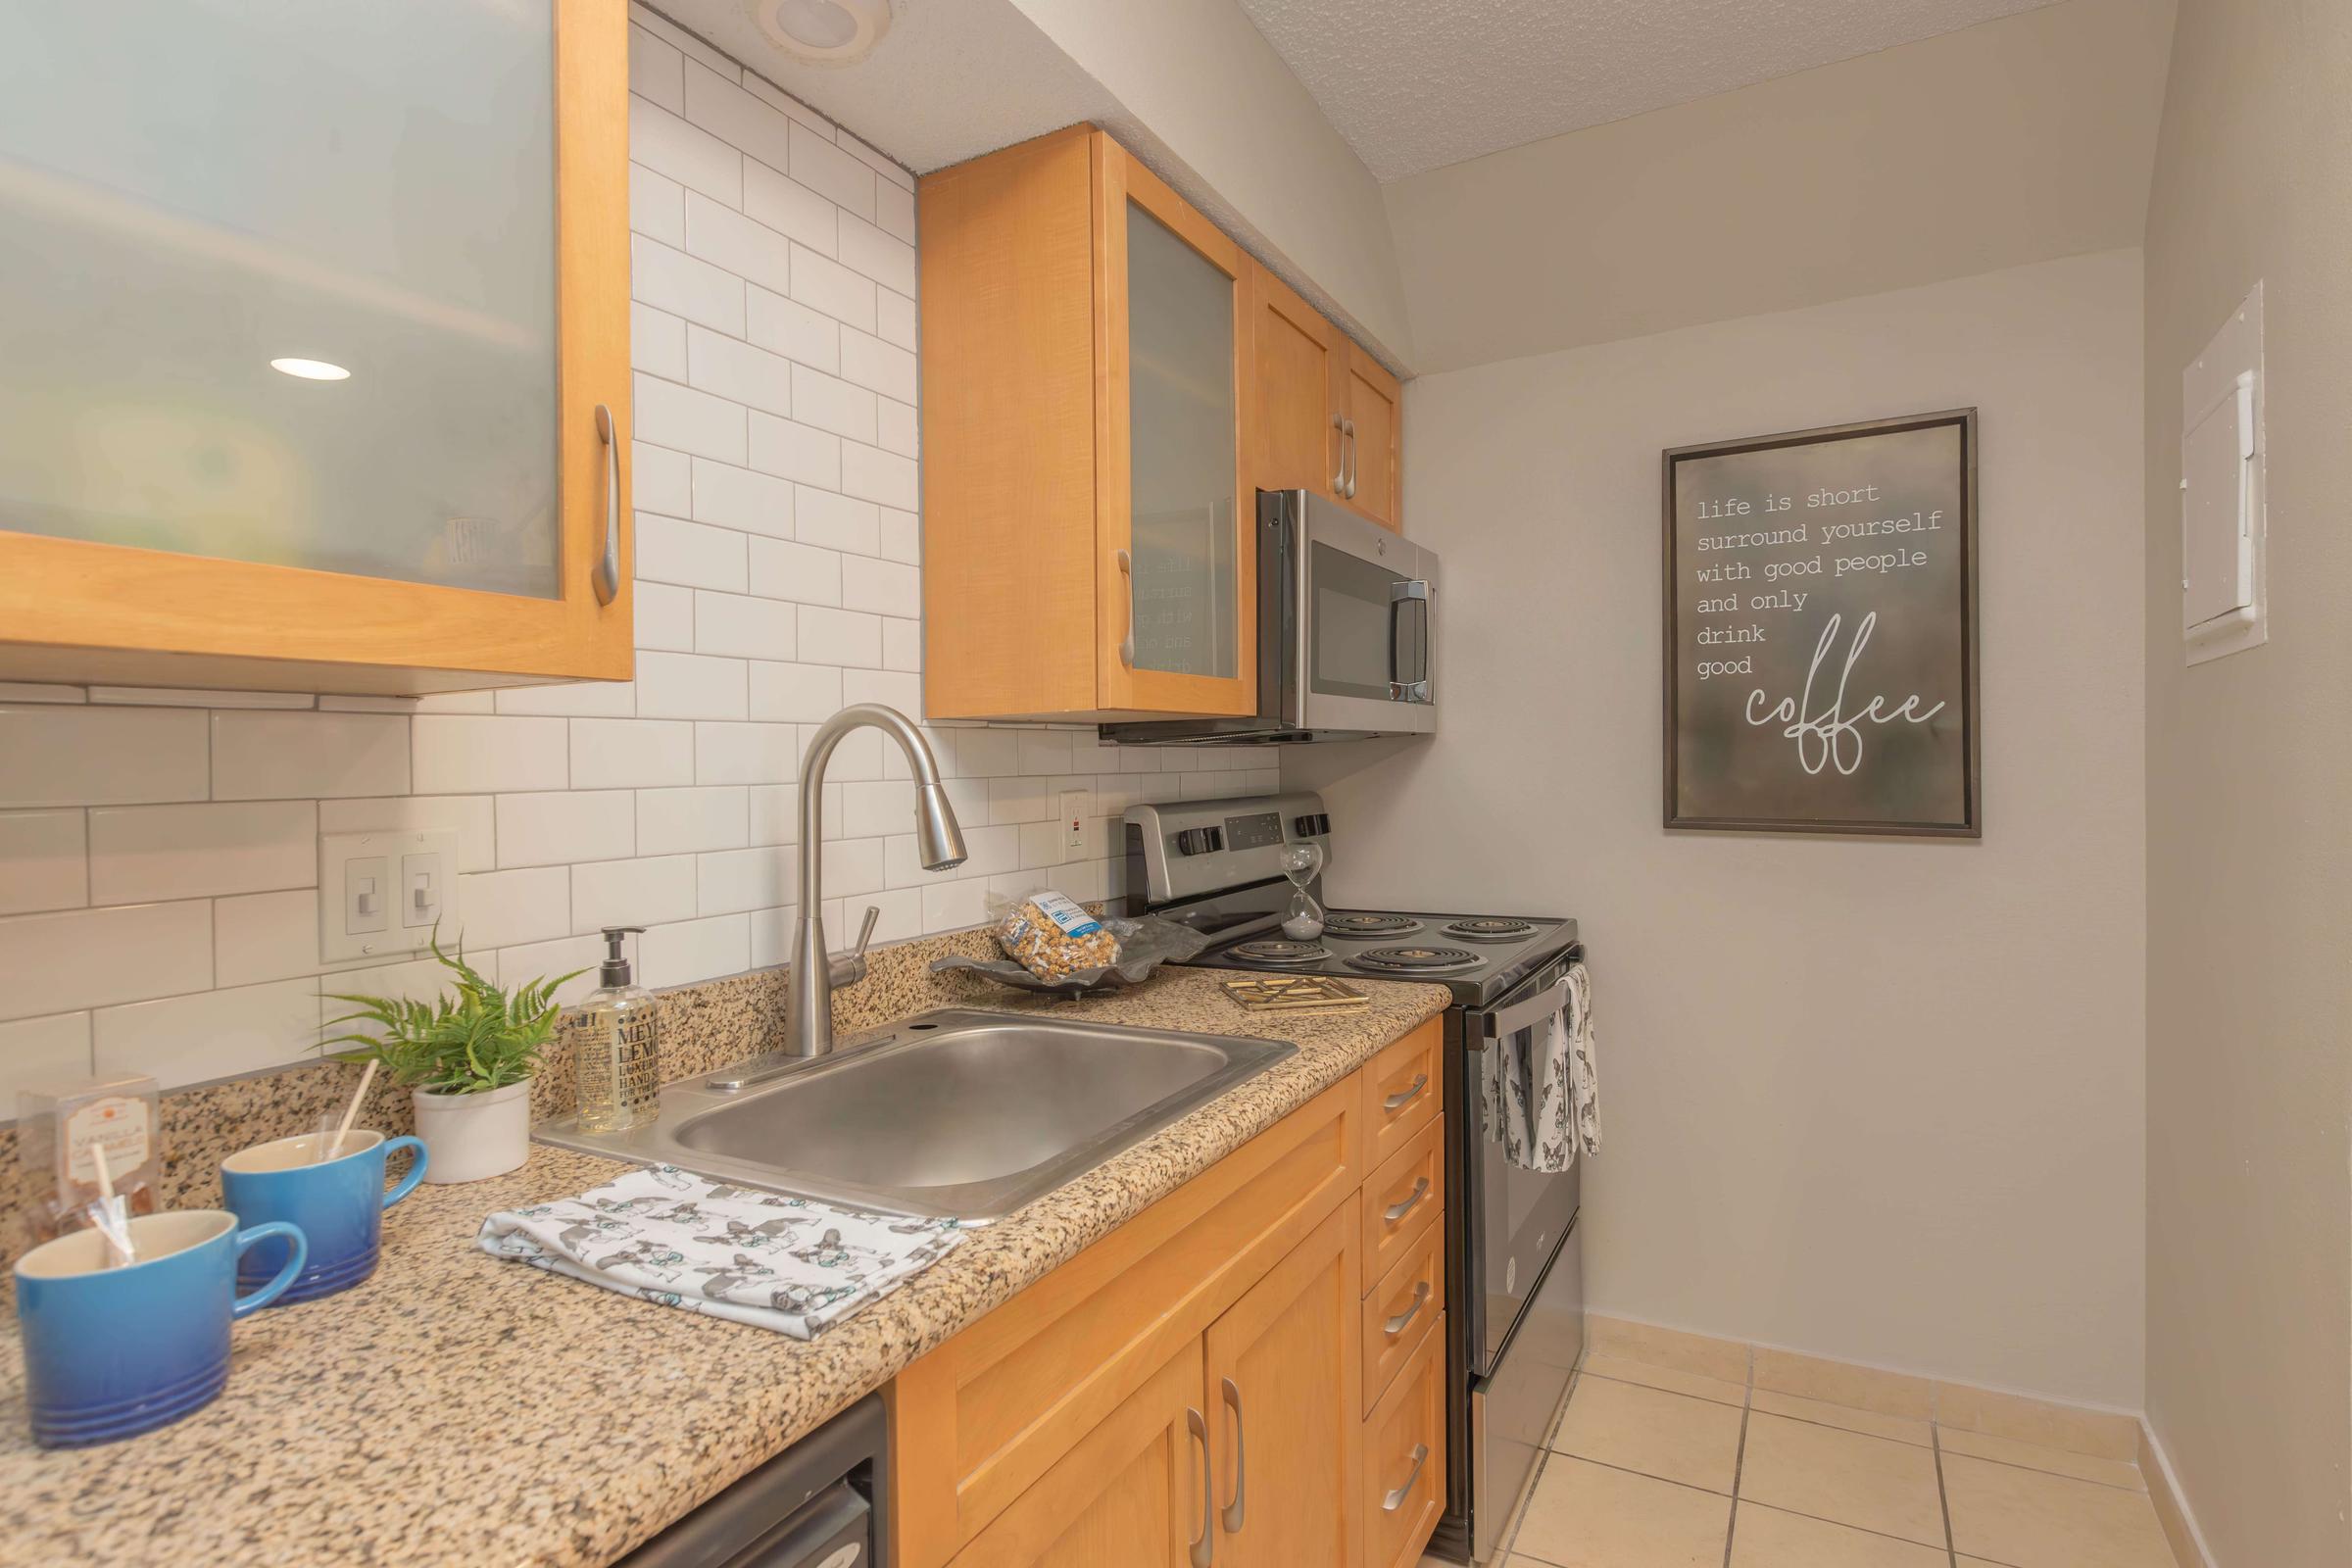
[[616, 1051]]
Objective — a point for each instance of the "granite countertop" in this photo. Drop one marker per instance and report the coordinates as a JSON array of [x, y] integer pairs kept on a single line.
[[458, 1409]]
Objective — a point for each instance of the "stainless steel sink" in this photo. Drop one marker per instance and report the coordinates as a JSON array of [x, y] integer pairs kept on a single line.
[[954, 1113]]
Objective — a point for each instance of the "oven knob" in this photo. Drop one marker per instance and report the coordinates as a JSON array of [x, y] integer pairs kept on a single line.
[[1199, 840], [1314, 825]]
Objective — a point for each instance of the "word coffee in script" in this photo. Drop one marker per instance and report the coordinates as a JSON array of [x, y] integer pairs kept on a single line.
[[1821, 630]]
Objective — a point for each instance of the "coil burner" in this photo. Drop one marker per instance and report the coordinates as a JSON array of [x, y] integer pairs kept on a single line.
[[1491, 930], [1370, 925], [1414, 961], [1277, 950]]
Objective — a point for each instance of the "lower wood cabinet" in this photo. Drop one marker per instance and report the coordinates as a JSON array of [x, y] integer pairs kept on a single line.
[[1200, 1386]]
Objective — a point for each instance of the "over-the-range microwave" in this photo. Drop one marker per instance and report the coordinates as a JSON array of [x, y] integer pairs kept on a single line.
[[1344, 634]]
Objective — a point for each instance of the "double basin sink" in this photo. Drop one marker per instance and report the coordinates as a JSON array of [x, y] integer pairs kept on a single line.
[[958, 1113]]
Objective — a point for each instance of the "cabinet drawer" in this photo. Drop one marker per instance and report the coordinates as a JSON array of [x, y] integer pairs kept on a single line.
[[1403, 1199], [1400, 1310], [979, 1420], [1403, 1091], [1404, 1459]]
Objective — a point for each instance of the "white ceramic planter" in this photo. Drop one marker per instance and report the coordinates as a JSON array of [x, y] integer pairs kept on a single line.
[[468, 1136]]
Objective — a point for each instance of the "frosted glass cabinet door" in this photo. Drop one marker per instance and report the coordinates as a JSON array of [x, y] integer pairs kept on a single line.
[[194, 191]]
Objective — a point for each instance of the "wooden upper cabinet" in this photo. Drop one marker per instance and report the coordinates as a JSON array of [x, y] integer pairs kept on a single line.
[[1090, 516], [1328, 415], [177, 509]]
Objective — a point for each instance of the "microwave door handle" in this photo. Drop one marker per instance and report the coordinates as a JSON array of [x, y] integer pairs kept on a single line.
[[1413, 594]]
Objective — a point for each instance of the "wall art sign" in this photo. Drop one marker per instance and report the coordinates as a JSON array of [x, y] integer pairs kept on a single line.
[[1821, 630]]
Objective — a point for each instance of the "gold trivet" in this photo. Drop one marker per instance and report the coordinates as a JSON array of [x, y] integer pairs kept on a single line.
[[1294, 992]]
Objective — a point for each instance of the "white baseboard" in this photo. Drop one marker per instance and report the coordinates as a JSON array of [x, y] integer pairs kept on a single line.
[[2173, 1511]]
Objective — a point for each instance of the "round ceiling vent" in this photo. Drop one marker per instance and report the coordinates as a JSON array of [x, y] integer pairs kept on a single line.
[[824, 32]]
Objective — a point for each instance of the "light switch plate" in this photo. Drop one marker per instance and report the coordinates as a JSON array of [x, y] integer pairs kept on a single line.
[[381, 894]]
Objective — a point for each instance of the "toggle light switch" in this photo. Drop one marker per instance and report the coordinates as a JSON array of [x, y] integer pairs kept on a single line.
[[380, 893], [424, 875], [364, 900]]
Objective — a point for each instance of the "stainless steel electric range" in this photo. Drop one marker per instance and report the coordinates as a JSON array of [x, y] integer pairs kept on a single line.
[[1514, 1282]]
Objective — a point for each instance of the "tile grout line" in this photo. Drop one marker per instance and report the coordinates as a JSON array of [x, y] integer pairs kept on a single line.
[[1730, 1525], [1943, 1498]]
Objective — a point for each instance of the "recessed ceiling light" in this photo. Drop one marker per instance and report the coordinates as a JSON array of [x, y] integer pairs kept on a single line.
[[312, 369], [824, 32]]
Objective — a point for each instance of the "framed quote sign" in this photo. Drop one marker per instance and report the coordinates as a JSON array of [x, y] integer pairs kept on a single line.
[[1821, 630]]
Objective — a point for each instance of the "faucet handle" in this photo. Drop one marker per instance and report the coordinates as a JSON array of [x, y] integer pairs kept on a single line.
[[848, 968]]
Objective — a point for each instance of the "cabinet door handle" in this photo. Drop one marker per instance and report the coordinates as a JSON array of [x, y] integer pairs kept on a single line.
[[1204, 1545], [1405, 1097], [1402, 1320], [1347, 458], [606, 577], [1398, 1211], [1395, 1500], [1241, 1463], [1338, 480], [1127, 643]]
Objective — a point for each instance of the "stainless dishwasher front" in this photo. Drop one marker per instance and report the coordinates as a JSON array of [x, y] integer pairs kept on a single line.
[[820, 1503]]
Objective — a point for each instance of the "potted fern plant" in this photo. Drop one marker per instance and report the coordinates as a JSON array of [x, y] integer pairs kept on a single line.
[[466, 1058]]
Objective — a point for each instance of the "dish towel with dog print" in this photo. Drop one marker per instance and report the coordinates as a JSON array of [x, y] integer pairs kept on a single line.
[[737, 1253]]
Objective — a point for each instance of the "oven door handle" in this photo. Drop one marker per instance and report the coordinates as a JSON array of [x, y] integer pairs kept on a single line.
[[1526, 1015], [1413, 594]]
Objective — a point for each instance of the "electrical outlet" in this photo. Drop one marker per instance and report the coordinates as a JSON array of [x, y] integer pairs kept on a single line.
[[1073, 819], [380, 895]]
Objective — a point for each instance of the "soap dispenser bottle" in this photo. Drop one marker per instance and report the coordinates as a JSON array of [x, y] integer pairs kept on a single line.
[[616, 1054]]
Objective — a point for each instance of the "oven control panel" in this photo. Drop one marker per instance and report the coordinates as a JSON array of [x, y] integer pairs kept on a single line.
[[1184, 848]]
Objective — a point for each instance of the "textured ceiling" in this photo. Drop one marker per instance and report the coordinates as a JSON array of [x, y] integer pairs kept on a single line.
[[1415, 85]]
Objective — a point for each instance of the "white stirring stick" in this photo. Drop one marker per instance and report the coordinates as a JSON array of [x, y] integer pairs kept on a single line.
[[352, 1112], [117, 1229]]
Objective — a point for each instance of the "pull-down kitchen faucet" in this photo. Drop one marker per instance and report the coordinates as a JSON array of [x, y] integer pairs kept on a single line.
[[938, 842]]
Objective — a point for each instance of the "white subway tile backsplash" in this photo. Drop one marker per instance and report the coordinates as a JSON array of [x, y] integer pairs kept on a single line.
[[689, 555], [656, 342], [213, 1034], [729, 497], [264, 936], [630, 753], [867, 250], [884, 587], [56, 754], [736, 626], [832, 404], [39, 1053], [689, 686], [902, 536], [678, 38], [954, 906], [1018, 798], [787, 207], [44, 861], [260, 755], [683, 821], [879, 163], [472, 817], [768, 92], [794, 451], [731, 881], [902, 644], [655, 73], [844, 637], [720, 105], [191, 697], [531, 904], [853, 867], [570, 699], [821, 166], [561, 828], [876, 807], [895, 428], [717, 233], [19, 691], [659, 480], [146, 853], [665, 616], [462, 754], [893, 318], [642, 892], [688, 951], [877, 366], [77, 958], [826, 285], [697, 423], [738, 372], [856, 755], [894, 212], [794, 693], [413, 979], [697, 160], [577, 957], [790, 329], [801, 573], [874, 475], [838, 522], [775, 812], [988, 752], [684, 287], [745, 754], [657, 207]]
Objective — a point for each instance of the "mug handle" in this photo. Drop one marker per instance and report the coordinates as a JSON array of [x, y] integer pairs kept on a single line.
[[285, 1276], [408, 1183]]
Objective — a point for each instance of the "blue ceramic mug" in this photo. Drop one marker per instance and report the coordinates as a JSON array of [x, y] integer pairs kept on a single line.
[[339, 1204], [111, 1352]]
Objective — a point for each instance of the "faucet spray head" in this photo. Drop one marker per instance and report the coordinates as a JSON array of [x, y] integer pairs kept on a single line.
[[938, 840]]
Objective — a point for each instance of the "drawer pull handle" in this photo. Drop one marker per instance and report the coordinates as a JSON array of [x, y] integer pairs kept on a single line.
[[605, 575], [1405, 1097], [1398, 1211], [1395, 1500], [1398, 1324], [1241, 1463], [1204, 1545]]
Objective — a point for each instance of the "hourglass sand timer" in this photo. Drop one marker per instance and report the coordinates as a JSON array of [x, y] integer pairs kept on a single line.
[[1302, 863]]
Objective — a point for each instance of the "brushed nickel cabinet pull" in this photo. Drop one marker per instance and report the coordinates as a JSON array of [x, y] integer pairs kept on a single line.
[[1127, 643], [1398, 1211], [1241, 1463], [1398, 1324], [1204, 1545], [605, 578], [1338, 480], [1405, 1097], [1395, 1500], [1349, 458]]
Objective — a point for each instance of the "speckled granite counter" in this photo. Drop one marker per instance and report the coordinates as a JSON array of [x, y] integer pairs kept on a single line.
[[459, 1409]]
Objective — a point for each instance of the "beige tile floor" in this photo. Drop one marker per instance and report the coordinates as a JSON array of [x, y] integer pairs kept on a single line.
[[1650, 1467]]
